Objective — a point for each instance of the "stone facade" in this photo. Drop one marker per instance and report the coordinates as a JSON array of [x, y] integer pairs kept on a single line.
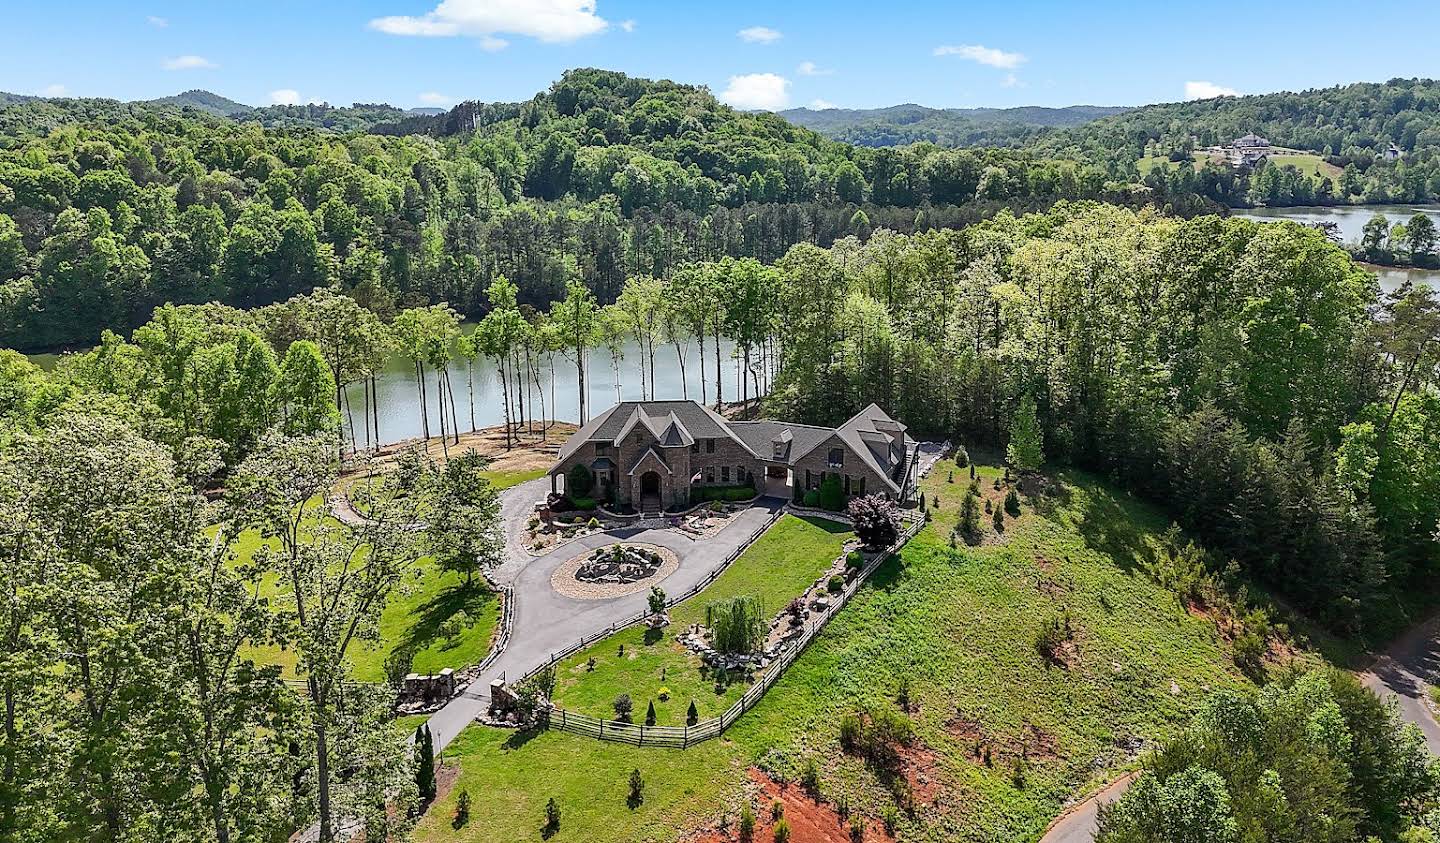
[[858, 478], [651, 455]]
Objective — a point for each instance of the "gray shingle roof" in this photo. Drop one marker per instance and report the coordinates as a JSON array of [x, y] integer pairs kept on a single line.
[[760, 437], [688, 418]]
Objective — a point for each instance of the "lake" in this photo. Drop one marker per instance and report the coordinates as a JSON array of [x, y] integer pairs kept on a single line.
[[1350, 221], [399, 397]]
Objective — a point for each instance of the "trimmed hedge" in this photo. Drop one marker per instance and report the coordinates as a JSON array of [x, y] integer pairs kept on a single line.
[[699, 494]]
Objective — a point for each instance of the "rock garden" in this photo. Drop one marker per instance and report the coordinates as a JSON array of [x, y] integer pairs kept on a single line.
[[614, 571]]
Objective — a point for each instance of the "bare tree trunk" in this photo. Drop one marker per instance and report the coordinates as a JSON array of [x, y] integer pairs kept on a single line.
[[375, 407], [454, 416], [505, 397], [684, 383], [470, 380], [719, 392], [704, 392]]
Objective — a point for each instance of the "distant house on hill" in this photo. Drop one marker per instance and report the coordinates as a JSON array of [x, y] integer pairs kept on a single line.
[[655, 455], [1248, 150], [1391, 153]]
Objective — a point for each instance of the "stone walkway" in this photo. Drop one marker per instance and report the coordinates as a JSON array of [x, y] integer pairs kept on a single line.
[[545, 622]]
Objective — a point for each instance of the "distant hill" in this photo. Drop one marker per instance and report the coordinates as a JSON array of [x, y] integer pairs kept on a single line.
[[898, 125], [204, 101], [424, 111]]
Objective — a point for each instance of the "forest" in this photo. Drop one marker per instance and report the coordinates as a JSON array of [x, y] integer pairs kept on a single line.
[[114, 210], [1247, 377]]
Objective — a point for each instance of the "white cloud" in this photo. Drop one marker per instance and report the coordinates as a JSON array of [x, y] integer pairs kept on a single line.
[[762, 91], [810, 68], [285, 96], [189, 63], [157, 22], [1207, 90], [627, 25], [759, 35], [1011, 81], [432, 98], [821, 105], [56, 90], [555, 21], [983, 55], [491, 44]]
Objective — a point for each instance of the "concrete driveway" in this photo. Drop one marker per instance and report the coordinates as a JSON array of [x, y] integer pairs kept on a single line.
[[546, 622]]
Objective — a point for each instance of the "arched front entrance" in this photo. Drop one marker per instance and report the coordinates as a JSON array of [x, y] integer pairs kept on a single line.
[[650, 502]]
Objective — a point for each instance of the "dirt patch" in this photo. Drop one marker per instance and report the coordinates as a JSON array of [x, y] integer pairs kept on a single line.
[[810, 820], [921, 771], [527, 450]]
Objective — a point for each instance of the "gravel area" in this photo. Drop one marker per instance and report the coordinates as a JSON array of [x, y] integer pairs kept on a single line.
[[564, 582]]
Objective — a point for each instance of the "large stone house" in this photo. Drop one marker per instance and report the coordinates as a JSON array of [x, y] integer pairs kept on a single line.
[[660, 455]]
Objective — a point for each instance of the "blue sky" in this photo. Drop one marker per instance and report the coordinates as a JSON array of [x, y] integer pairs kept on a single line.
[[753, 54]]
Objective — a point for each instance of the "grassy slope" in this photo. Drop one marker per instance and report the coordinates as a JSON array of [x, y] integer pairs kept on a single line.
[[777, 568], [960, 624], [426, 612]]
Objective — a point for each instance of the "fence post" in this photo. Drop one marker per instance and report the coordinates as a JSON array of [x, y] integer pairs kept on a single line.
[[602, 728], [642, 736]]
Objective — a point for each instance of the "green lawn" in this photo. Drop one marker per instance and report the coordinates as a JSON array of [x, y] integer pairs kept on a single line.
[[780, 566], [960, 625], [448, 624], [505, 479], [1310, 165]]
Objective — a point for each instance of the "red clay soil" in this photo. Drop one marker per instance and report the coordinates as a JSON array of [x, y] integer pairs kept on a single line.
[[810, 821]]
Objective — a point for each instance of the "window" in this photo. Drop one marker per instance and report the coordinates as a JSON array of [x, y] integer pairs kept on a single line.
[[862, 486], [837, 457], [602, 449], [809, 480], [847, 484], [709, 446], [724, 474], [710, 474]]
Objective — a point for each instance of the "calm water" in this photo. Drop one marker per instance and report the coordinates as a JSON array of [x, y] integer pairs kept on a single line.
[[400, 396], [1350, 221]]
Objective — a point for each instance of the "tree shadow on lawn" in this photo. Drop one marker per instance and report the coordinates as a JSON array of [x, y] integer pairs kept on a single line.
[[833, 527], [433, 615], [519, 738], [1102, 520]]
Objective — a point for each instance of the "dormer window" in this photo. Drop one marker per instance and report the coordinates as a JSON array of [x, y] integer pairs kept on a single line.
[[837, 457], [602, 449]]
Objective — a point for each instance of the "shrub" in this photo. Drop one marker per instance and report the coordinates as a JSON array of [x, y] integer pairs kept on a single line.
[[810, 778], [988, 508], [1012, 503], [835, 585], [999, 520], [579, 481], [962, 457], [462, 809], [747, 824], [782, 831], [812, 499], [692, 716], [737, 625], [664, 692], [857, 829], [902, 694], [585, 504], [852, 732], [877, 522], [593, 523], [623, 708], [650, 714], [777, 810], [854, 560], [922, 503], [1249, 650], [832, 493], [1053, 635], [950, 478], [424, 763], [637, 788], [656, 600], [969, 524], [891, 820], [552, 817]]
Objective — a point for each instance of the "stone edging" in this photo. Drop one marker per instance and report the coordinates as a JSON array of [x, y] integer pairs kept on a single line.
[[564, 582]]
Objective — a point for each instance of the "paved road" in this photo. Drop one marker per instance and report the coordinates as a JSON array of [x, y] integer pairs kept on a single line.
[[546, 622], [1402, 673]]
